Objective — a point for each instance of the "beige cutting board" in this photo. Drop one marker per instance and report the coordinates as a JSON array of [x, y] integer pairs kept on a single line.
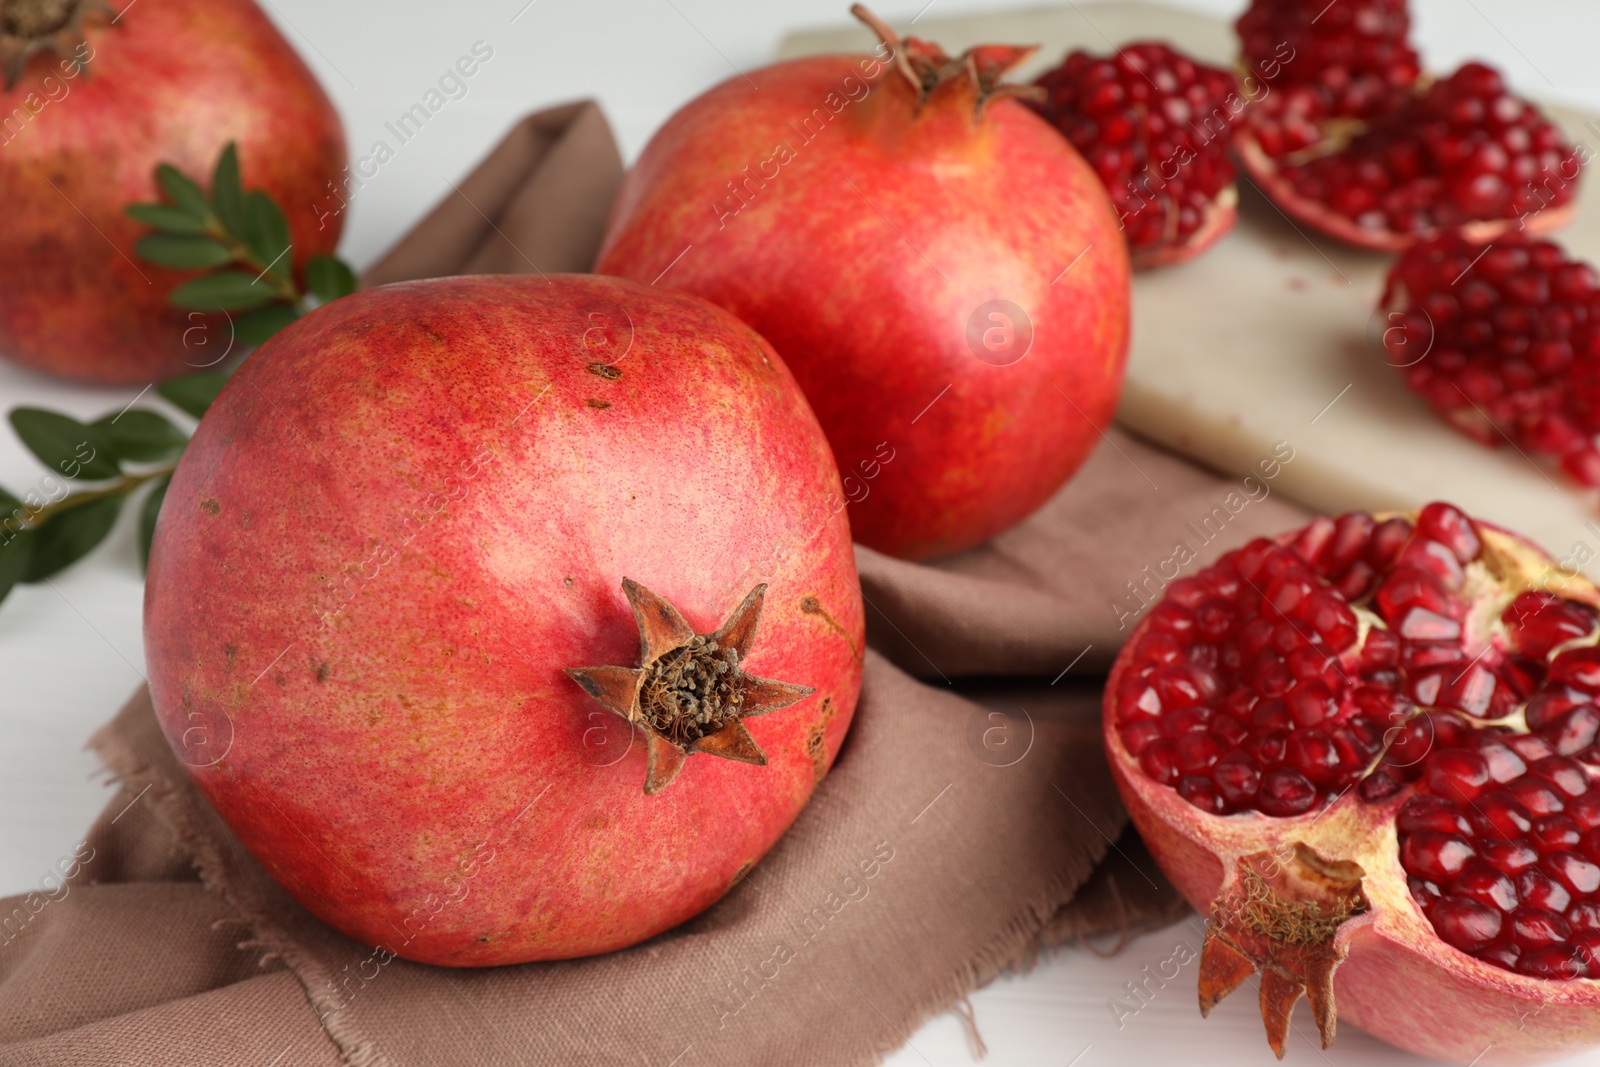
[[1251, 343]]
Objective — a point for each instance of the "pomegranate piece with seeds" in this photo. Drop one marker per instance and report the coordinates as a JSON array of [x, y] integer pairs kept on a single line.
[[1155, 126], [1503, 341], [1382, 789], [1352, 139]]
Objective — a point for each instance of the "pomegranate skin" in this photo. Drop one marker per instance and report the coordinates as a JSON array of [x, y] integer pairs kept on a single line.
[[172, 82], [866, 257], [402, 519], [1398, 980]]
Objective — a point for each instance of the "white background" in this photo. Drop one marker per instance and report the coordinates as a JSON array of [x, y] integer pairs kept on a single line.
[[70, 652]]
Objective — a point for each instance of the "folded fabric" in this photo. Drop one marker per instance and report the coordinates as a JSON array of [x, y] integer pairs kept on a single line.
[[969, 821]]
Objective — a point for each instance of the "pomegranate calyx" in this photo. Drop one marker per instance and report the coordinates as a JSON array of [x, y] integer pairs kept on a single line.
[[689, 692], [28, 27], [1280, 914], [927, 66]]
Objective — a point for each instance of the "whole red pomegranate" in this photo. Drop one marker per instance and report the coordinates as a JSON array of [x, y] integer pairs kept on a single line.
[[1350, 138], [1157, 127], [939, 267], [1503, 341], [1366, 750], [92, 104], [495, 616]]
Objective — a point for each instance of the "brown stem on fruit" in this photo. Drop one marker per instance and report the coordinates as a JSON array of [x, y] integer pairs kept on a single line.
[[926, 66], [28, 27], [1280, 914], [689, 692]]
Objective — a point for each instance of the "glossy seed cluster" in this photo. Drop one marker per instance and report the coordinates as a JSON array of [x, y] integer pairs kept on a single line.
[[1291, 672], [1502, 851], [1503, 341], [1155, 126], [1464, 150], [1321, 61]]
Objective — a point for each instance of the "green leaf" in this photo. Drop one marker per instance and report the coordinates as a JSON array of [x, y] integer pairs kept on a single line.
[[266, 233], [67, 536], [16, 544], [329, 278], [255, 327], [141, 436], [229, 290], [185, 193], [227, 193], [148, 513], [166, 218], [64, 444], [193, 393], [183, 251]]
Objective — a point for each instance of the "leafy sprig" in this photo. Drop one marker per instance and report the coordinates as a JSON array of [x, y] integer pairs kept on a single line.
[[241, 239]]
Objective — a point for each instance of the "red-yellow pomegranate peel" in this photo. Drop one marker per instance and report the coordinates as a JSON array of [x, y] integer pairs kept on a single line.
[[1366, 750]]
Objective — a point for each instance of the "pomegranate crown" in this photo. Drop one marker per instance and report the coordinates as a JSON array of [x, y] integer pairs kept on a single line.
[[28, 27], [926, 66]]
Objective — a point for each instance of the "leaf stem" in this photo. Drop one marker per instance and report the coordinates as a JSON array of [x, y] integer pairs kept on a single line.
[[121, 487], [282, 284]]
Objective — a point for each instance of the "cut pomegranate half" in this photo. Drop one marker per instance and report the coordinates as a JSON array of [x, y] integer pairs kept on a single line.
[[1155, 126], [1503, 342], [1366, 750], [1347, 137]]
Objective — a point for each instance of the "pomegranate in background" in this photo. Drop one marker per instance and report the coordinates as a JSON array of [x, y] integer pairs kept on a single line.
[[1503, 341], [91, 106], [462, 588], [938, 266], [1367, 751], [1352, 140], [1156, 126]]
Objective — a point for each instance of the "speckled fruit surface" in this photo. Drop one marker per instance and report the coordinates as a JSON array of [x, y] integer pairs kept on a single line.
[[171, 82], [949, 285], [401, 521]]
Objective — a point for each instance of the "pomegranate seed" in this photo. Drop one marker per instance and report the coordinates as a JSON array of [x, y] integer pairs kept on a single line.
[[1137, 735], [1459, 774], [1501, 953], [1424, 812], [1424, 892], [1311, 752], [1574, 731], [1549, 705], [1198, 790], [1435, 856], [1237, 778], [1538, 890], [1499, 815], [1540, 621], [1579, 875], [1554, 831], [1285, 791], [1486, 885], [1448, 526], [1566, 774], [1533, 927], [1579, 668], [1556, 961], [1585, 810], [1512, 857], [1159, 761], [1586, 943], [1465, 923], [1197, 752], [1540, 798], [1585, 916], [1387, 541]]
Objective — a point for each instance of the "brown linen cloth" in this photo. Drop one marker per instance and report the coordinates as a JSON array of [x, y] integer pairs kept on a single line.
[[965, 825]]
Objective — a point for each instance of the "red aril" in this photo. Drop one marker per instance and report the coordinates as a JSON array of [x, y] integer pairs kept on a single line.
[[94, 107], [402, 579], [1351, 139], [939, 267], [1155, 126], [1503, 341], [1417, 851]]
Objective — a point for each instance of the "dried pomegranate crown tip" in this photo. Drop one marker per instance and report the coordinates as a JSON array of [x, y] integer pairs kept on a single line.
[[927, 66], [690, 691], [28, 27]]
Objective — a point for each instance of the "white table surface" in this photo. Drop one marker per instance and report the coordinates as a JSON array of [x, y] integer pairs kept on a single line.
[[71, 652]]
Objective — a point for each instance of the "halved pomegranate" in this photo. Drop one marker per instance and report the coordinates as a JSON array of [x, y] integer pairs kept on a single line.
[[1155, 126], [1353, 140], [1503, 341], [1367, 751]]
